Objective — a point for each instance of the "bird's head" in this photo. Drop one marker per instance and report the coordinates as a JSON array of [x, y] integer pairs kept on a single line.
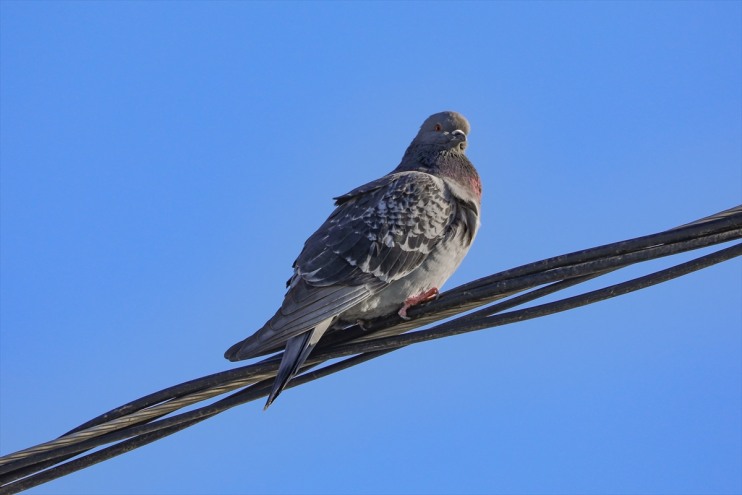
[[444, 130]]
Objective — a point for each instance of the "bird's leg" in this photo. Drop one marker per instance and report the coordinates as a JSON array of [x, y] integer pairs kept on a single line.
[[426, 296], [362, 325]]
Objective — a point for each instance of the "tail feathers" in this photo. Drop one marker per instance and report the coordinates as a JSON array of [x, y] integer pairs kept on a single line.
[[297, 351]]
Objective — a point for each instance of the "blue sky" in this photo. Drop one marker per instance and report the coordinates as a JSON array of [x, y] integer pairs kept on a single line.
[[162, 164]]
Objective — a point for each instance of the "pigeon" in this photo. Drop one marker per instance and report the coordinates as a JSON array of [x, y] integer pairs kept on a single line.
[[388, 245]]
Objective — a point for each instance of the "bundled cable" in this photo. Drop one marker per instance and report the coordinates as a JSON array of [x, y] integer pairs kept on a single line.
[[152, 417]]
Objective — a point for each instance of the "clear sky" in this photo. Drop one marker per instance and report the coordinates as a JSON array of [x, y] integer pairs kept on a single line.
[[163, 162]]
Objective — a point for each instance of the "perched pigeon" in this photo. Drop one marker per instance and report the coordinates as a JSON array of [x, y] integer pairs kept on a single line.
[[389, 244]]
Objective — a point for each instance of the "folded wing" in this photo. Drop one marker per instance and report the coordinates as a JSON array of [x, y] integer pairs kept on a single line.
[[379, 232]]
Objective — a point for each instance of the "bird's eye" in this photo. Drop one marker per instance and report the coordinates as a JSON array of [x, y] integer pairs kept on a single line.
[[438, 128]]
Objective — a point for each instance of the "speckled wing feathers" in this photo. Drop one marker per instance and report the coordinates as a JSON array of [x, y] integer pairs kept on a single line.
[[379, 233]]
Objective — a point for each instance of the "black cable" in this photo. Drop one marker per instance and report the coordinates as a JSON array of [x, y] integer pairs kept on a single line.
[[269, 365], [378, 337], [447, 301], [147, 433]]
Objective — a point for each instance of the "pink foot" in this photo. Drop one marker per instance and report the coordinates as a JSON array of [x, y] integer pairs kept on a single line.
[[426, 296]]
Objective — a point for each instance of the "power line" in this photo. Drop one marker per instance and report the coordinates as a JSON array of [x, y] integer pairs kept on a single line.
[[150, 418]]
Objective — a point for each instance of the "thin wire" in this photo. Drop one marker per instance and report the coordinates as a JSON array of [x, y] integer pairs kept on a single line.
[[148, 433], [138, 422], [259, 371]]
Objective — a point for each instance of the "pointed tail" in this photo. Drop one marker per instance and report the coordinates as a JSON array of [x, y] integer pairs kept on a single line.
[[296, 352]]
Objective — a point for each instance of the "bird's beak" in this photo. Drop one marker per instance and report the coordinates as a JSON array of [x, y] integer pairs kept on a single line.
[[459, 134]]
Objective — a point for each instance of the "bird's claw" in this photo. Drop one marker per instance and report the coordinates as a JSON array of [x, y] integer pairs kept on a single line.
[[426, 296], [403, 313]]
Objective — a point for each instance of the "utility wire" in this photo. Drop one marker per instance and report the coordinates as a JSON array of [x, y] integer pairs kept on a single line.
[[149, 418]]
